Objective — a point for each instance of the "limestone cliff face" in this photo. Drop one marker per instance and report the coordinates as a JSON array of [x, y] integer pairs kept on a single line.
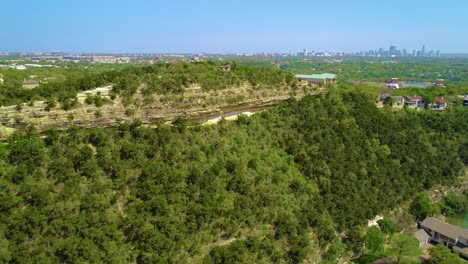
[[193, 104]]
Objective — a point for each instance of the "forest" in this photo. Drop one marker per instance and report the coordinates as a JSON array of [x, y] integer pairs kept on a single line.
[[160, 78], [283, 185]]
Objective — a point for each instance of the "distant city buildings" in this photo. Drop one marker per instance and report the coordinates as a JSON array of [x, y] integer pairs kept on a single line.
[[40, 58], [103, 59], [306, 53], [393, 52]]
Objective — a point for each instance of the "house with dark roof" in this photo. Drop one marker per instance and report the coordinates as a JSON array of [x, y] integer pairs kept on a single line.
[[439, 83], [422, 236], [465, 100], [449, 235], [393, 83], [392, 86], [393, 101], [414, 102]]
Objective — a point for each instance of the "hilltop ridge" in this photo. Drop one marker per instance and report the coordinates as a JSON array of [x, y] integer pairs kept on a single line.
[[155, 95]]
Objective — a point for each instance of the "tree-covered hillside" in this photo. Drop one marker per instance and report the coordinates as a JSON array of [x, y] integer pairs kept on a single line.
[[274, 187], [159, 78]]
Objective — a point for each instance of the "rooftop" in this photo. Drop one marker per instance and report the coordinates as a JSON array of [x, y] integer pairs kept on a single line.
[[461, 249], [421, 235], [441, 100], [316, 76], [448, 230], [414, 97]]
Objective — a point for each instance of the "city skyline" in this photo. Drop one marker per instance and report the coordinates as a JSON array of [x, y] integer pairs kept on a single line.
[[392, 50], [144, 26]]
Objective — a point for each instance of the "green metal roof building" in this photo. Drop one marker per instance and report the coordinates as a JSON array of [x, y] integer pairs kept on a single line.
[[322, 76], [325, 78]]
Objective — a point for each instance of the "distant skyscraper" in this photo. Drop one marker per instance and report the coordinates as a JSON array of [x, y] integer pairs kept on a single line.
[[381, 51], [305, 52], [437, 54], [392, 51], [405, 53], [423, 50], [415, 52]]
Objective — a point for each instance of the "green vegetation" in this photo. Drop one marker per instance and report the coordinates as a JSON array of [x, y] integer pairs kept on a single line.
[[404, 247], [370, 73], [399, 248], [442, 255], [453, 203], [453, 70], [60, 82], [158, 78], [422, 207], [387, 226], [429, 94], [375, 240], [274, 187]]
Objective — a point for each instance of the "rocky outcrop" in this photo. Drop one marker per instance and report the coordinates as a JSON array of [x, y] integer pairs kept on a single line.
[[193, 104]]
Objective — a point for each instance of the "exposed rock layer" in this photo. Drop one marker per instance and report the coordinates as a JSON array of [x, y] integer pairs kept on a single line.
[[194, 104]]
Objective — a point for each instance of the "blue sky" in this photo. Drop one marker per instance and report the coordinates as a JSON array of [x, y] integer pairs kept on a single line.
[[232, 26]]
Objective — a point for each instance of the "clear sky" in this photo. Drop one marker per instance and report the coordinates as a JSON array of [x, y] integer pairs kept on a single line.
[[229, 26]]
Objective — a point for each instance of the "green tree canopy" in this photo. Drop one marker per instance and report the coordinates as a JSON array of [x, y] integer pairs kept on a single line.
[[387, 226], [421, 207], [375, 240], [404, 246], [440, 254]]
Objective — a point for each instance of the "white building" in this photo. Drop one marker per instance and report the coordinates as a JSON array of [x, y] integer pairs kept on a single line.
[[392, 86], [446, 234], [18, 67], [104, 59]]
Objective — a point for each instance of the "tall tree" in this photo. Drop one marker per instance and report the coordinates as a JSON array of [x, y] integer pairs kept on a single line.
[[375, 240], [421, 207], [403, 246]]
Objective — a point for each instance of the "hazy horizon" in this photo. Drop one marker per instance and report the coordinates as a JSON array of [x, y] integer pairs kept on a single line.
[[239, 27]]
